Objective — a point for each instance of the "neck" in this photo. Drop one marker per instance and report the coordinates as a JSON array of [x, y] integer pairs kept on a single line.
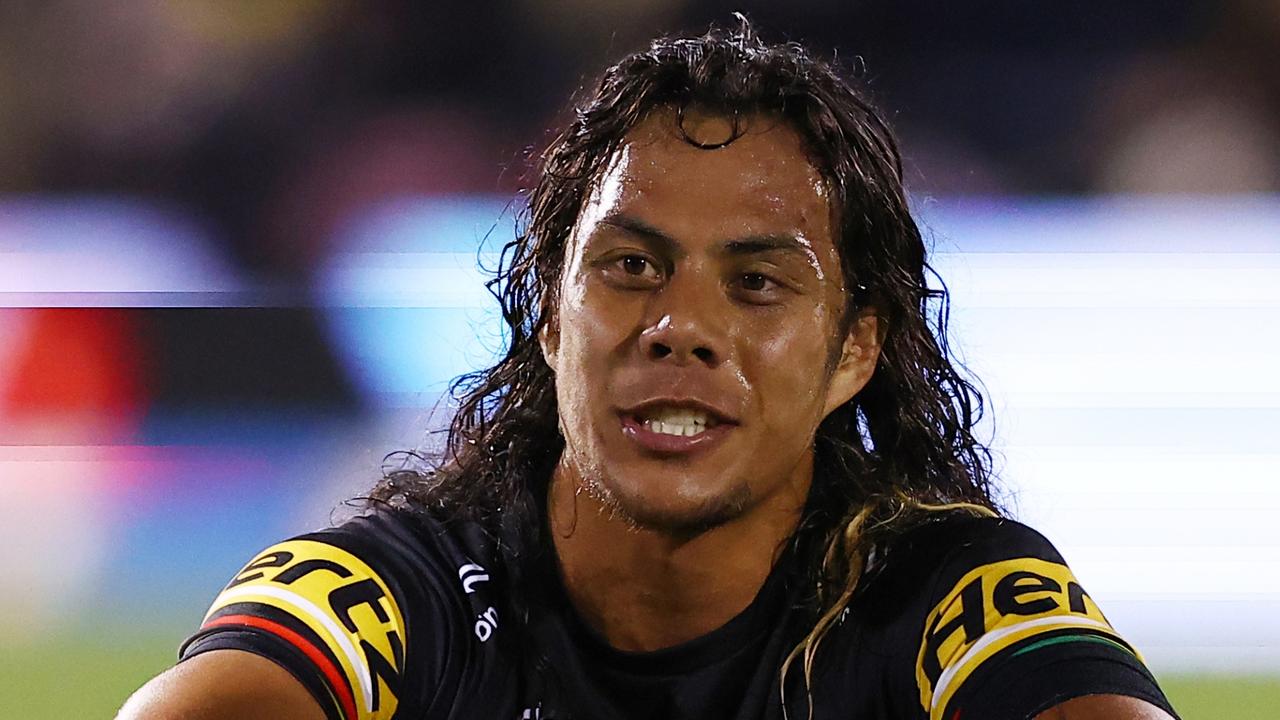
[[644, 589]]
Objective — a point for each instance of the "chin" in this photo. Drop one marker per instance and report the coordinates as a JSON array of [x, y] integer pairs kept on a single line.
[[673, 511]]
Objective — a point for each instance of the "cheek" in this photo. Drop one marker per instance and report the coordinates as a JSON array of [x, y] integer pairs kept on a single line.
[[592, 326], [791, 367], [591, 333]]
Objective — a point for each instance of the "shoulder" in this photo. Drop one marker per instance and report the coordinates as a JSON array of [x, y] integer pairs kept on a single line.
[[451, 558], [932, 557], [365, 613], [993, 603], [952, 551], [960, 537], [385, 562]]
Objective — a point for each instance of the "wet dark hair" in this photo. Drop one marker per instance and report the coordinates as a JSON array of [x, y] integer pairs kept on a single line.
[[903, 446]]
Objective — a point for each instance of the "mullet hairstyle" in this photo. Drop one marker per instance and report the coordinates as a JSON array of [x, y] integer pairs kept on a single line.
[[899, 451]]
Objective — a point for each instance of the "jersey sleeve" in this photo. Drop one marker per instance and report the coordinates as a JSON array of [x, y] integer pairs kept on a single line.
[[1011, 632], [335, 609]]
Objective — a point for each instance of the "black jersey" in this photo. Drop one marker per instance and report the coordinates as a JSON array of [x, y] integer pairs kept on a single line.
[[393, 616]]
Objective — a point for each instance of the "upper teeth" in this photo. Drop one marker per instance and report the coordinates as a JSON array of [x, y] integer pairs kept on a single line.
[[676, 421]]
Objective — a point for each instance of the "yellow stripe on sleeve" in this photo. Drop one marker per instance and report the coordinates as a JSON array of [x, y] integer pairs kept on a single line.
[[992, 608], [344, 602]]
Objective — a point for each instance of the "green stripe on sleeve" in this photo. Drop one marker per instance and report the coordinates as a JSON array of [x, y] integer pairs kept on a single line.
[[1071, 638]]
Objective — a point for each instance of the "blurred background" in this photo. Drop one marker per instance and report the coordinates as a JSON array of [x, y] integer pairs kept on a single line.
[[240, 250]]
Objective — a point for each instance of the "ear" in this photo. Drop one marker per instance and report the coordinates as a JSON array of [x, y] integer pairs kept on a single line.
[[858, 358], [549, 341]]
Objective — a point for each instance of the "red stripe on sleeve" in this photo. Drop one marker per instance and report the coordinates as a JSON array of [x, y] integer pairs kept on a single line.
[[331, 672]]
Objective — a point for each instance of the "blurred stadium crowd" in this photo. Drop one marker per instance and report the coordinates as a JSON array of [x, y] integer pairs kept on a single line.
[[252, 111]]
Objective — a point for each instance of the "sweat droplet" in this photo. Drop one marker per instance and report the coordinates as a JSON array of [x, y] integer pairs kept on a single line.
[[811, 255]]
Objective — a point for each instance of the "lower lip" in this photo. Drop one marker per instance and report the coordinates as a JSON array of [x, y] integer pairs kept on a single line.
[[665, 444]]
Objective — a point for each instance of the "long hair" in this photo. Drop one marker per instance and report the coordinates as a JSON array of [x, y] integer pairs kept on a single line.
[[902, 446]]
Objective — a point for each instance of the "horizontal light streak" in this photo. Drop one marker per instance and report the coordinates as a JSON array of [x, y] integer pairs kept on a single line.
[[1137, 223], [1179, 570], [1155, 282], [1104, 280]]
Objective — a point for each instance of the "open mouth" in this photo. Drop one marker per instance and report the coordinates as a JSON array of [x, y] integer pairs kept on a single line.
[[679, 422], [675, 429]]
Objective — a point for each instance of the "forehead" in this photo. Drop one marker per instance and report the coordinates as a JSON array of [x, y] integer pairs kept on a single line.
[[761, 182]]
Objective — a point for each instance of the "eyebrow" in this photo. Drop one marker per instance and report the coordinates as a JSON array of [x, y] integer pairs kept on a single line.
[[748, 245]]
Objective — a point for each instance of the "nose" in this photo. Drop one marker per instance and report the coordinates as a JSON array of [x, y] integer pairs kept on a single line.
[[686, 328]]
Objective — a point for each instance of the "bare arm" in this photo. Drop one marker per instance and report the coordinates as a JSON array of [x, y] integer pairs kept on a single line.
[[1104, 707], [223, 685]]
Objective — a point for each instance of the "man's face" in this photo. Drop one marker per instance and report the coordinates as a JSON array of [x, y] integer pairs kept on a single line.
[[699, 341]]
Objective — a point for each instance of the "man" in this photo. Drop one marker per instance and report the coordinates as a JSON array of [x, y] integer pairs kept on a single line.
[[725, 470]]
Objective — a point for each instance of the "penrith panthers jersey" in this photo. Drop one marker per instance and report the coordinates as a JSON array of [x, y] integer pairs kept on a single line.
[[394, 616]]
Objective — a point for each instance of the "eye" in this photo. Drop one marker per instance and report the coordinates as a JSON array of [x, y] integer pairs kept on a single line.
[[760, 288], [633, 270], [756, 282], [636, 265]]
